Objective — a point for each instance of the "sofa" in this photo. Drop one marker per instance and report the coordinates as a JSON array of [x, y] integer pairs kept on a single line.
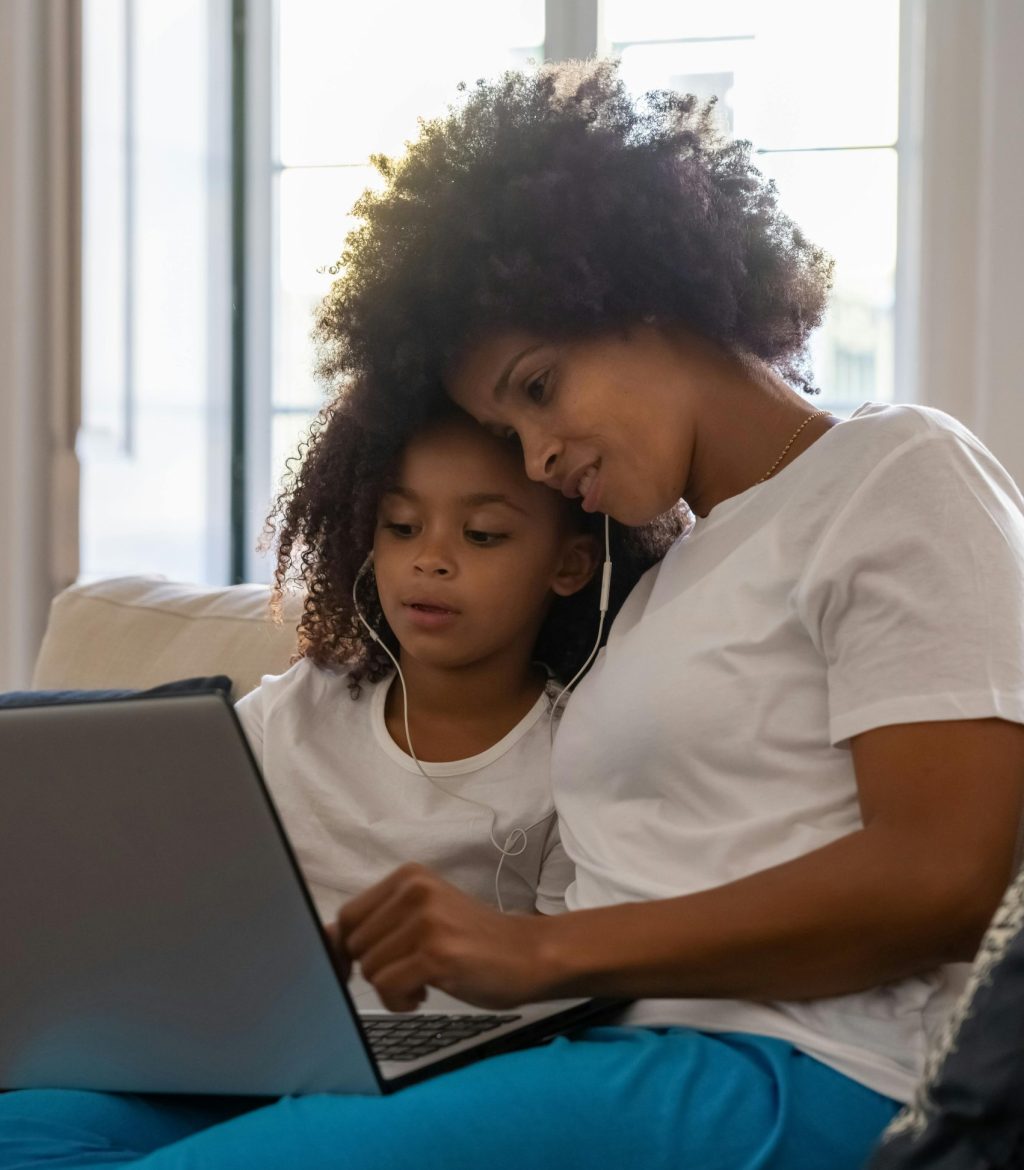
[[141, 631], [137, 632]]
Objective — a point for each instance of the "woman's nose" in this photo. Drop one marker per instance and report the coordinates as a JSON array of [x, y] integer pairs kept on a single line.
[[540, 456]]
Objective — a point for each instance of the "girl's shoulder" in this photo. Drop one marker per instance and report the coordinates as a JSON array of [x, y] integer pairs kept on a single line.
[[306, 680]]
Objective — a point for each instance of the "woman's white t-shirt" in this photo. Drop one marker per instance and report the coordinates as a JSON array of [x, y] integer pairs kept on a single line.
[[877, 579], [355, 806]]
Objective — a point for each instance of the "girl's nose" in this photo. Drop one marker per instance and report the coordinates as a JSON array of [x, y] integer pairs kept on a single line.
[[434, 560]]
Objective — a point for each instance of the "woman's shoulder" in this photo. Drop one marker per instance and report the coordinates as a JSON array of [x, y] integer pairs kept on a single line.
[[891, 425], [903, 449]]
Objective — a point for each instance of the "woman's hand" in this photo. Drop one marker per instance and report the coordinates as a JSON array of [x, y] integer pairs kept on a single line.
[[414, 930]]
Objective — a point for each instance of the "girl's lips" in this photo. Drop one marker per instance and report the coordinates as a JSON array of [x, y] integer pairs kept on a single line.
[[429, 617]]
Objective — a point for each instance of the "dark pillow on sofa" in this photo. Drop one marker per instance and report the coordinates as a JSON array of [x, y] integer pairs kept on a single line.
[[968, 1113], [185, 686]]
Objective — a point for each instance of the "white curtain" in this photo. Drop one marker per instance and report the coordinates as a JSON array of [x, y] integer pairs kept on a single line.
[[963, 287], [39, 331]]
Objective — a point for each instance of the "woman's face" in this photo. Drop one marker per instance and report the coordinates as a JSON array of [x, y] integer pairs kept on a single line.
[[609, 420]]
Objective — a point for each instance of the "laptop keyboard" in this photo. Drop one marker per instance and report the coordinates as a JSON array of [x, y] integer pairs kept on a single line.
[[410, 1037]]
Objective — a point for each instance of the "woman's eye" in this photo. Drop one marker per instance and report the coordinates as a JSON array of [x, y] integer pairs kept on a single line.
[[475, 536], [535, 389]]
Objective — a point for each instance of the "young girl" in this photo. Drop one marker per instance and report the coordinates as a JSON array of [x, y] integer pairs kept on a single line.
[[440, 551]]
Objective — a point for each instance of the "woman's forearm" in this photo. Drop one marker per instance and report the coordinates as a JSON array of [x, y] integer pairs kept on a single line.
[[854, 914]]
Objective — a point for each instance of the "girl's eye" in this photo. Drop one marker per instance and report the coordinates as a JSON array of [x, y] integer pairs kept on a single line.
[[487, 539], [398, 529]]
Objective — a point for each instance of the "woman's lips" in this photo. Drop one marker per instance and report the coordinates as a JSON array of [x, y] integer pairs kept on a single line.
[[590, 489], [584, 486]]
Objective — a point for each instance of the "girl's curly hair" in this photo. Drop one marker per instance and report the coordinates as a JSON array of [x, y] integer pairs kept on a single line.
[[553, 202], [322, 525]]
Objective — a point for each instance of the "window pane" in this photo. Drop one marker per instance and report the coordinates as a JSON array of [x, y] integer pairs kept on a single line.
[[155, 372], [846, 202], [789, 74], [355, 77], [287, 431], [314, 215]]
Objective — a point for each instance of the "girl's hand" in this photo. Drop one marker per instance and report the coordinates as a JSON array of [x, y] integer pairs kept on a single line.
[[413, 931]]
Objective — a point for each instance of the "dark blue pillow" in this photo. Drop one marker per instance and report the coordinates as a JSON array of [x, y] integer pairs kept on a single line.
[[968, 1113], [185, 686]]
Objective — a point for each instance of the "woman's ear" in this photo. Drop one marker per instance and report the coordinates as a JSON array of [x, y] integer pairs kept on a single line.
[[581, 554]]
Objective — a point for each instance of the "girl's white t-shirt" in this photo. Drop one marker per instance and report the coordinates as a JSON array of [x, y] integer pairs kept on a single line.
[[877, 579], [355, 806]]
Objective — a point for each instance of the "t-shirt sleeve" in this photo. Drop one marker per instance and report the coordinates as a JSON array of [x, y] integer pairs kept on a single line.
[[249, 710], [915, 595], [556, 872]]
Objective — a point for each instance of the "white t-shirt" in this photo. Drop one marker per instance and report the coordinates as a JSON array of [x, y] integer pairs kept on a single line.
[[877, 579], [355, 806]]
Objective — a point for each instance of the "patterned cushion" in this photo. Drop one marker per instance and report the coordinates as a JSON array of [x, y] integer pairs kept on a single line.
[[968, 1113]]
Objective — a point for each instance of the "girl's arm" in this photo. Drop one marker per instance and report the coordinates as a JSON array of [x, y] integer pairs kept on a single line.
[[941, 805]]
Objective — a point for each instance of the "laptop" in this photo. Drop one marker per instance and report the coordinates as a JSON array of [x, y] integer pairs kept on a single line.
[[157, 935]]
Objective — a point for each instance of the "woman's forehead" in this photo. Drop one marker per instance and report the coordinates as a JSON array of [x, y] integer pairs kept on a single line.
[[476, 379]]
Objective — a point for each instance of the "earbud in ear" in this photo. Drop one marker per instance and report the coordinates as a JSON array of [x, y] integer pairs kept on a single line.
[[367, 564]]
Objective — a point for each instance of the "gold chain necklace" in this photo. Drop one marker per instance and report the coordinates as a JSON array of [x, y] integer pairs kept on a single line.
[[810, 418]]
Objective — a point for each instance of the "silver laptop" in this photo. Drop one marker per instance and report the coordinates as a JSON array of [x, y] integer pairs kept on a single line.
[[156, 934]]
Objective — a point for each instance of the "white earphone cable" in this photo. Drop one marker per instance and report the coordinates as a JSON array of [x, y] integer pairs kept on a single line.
[[517, 836]]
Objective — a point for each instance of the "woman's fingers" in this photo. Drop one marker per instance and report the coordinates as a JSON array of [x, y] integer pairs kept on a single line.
[[383, 909], [401, 985], [415, 930]]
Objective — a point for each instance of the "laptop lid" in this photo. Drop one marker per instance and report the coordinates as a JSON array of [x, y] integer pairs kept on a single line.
[[158, 934]]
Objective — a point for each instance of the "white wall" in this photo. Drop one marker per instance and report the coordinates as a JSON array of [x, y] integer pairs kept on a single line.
[[966, 138]]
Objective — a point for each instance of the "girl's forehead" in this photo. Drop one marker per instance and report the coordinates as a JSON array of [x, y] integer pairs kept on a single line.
[[463, 448], [458, 461]]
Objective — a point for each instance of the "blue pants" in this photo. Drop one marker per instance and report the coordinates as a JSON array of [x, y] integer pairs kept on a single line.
[[627, 1098]]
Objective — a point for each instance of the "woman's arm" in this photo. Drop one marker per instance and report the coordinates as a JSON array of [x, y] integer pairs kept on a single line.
[[915, 887]]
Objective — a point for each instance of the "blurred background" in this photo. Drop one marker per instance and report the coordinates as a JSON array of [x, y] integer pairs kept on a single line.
[[175, 178]]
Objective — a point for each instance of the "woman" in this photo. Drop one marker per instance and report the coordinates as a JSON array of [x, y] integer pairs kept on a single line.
[[791, 787], [791, 784]]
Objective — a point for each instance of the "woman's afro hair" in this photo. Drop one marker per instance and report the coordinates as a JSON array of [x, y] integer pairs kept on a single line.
[[552, 201]]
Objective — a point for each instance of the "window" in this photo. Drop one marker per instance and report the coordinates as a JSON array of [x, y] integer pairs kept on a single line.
[[333, 65], [813, 86], [154, 444]]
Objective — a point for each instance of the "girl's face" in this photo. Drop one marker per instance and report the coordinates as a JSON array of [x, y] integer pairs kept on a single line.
[[468, 552], [609, 420]]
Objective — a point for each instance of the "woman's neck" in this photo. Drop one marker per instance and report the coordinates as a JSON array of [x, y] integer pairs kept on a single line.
[[458, 713]]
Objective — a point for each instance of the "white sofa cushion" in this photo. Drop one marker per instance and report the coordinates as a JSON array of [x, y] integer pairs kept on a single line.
[[141, 631]]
